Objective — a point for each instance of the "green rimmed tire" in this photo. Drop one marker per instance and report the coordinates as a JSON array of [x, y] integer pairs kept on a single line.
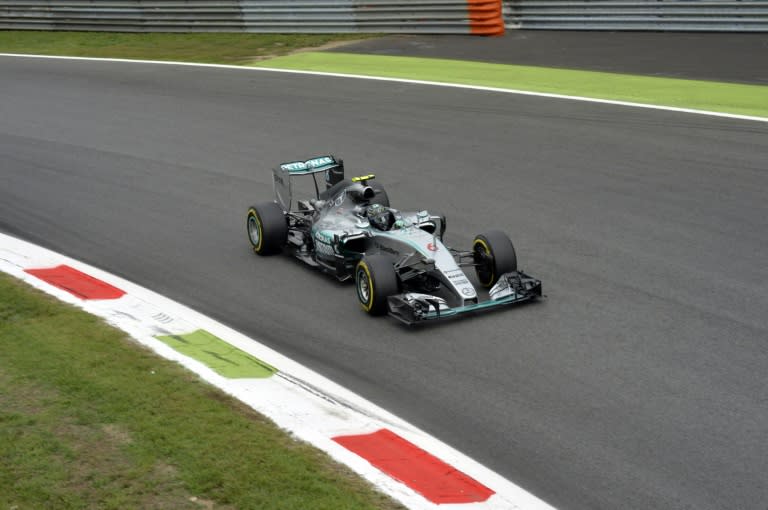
[[494, 255], [375, 280], [267, 228]]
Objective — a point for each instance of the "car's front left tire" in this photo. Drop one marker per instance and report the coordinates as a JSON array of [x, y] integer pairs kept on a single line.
[[375, 280], [267, 228]]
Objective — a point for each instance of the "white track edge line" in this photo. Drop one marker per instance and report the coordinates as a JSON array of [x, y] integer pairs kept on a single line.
[[415, 82], [310, 390]]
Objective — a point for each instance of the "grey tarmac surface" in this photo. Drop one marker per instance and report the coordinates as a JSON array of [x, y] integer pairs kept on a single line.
[[704, 56], [639, 383]]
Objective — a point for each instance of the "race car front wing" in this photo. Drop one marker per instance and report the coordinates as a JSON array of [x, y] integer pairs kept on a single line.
[[512, 288]]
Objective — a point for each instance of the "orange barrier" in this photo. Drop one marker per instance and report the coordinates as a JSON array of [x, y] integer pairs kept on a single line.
[[485, 17]]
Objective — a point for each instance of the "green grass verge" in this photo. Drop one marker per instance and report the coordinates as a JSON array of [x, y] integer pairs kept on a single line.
[[90, 419], [212, 48], [701, 95]]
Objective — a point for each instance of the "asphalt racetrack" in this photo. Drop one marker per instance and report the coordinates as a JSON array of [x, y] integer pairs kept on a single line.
[[639, 383]]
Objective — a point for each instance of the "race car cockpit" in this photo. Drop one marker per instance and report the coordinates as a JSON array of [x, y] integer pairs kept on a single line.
[[380, 217]]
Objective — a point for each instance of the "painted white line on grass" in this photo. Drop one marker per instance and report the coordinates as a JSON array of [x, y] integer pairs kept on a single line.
[[417, 82], [297, 399]]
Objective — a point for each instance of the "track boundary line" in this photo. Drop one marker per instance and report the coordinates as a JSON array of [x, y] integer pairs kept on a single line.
[[414, 82]]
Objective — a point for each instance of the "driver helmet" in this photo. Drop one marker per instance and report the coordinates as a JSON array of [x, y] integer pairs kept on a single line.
[[380, 217]]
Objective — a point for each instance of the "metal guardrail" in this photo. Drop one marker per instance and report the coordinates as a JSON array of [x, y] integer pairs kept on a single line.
[[482, 17], [683, 15]]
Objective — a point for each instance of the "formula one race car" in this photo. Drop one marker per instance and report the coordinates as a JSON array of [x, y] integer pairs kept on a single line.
[[398, 260]]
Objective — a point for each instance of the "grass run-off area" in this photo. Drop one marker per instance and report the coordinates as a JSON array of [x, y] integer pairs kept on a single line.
[[252, 49], [90, 419], [211, 48], [732, 98]]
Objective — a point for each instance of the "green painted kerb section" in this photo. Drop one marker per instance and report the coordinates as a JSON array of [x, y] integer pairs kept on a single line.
[[225, 359], [712, 96]]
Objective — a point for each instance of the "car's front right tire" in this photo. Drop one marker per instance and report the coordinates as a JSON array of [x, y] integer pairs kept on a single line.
[[375, 280], [267, 228], [494, 255]]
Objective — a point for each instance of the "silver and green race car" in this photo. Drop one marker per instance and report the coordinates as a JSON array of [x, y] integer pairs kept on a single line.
[[398, 260]]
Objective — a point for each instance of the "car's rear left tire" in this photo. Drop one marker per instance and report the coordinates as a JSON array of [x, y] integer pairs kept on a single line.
[[375, 280], [267, 228], [494, 255]]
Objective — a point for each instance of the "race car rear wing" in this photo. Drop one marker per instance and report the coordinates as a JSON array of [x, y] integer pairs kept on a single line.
[[283, 175]]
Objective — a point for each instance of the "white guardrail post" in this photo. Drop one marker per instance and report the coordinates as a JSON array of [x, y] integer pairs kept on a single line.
[[682, 15]]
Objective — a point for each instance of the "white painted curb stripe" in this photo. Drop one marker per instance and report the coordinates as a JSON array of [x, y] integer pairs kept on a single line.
[[415, 82], [298, 399]]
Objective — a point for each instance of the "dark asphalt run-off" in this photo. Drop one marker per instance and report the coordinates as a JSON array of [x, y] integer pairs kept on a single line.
[[728, 57]]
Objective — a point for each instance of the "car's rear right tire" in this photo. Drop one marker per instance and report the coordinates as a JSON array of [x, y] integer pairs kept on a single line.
[[267, 228], [375, 280]]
